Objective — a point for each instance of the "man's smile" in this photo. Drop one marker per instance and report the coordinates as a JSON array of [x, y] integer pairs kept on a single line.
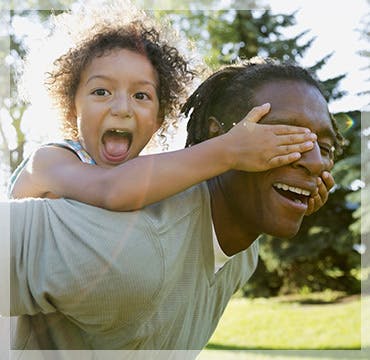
[[296, 196]]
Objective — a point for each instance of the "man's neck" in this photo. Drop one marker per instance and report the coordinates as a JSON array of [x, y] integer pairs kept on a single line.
[[233, 233]]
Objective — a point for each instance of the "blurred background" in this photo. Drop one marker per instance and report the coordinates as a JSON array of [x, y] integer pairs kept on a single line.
[[305, 293]]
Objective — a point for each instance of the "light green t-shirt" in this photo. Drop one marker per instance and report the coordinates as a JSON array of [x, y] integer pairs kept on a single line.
[[87, 278]]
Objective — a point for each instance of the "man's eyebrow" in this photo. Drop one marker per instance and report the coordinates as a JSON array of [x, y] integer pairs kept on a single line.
[[327, 131]]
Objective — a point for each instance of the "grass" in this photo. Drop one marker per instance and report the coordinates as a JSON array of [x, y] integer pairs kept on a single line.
[[316, 321]]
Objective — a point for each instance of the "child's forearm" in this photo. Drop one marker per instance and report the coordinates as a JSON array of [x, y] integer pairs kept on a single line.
[[151, 178], [55, 172]]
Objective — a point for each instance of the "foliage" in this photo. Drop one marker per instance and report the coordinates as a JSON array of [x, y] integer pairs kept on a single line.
[[12, 105], [224, 36]]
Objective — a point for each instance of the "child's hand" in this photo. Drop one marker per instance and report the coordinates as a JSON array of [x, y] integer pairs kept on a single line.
[[317, 200], [260, 147]]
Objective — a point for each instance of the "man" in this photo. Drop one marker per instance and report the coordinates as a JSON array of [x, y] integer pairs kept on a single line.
[[86, 278]]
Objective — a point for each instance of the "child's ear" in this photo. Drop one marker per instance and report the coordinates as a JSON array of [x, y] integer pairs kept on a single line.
[[73, 112], [214, 127], [159, 122]]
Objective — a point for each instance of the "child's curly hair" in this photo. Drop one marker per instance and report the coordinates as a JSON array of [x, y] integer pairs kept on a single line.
[[109, 29]]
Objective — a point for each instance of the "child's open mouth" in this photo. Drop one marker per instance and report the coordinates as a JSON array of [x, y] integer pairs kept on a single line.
[[116, 144]]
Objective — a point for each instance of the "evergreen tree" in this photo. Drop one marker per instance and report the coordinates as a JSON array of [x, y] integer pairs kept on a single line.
[[224, 36]]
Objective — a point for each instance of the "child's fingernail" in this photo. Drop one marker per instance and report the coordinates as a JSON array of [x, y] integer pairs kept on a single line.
[[266, 105]]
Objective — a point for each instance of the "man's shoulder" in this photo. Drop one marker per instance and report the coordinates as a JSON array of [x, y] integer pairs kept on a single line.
[[168, 212], [156, 218]]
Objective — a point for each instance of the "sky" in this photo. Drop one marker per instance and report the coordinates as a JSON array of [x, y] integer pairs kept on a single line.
[[334, 23]]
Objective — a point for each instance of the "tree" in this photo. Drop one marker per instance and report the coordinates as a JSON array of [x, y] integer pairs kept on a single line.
[[224, 36], [12, 108], [13, 50]]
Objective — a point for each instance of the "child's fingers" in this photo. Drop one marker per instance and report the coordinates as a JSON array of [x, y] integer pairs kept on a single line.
[[295, 138], [256, 114], [282, 160], [288, 129], [287, 149]]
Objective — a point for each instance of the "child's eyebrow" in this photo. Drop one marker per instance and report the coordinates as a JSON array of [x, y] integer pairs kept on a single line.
[[93, 77], [108, 78]]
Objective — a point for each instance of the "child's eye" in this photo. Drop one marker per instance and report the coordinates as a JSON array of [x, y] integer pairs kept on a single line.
[[101, 92], [142, 96]]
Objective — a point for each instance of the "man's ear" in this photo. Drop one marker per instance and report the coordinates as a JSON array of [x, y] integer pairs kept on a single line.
[[214, 127]]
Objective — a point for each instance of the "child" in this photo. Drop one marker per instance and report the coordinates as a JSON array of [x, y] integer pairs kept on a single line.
[[116, 86]]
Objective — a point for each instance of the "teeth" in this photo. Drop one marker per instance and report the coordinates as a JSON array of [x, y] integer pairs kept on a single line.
[[118, 131], [296, 190]]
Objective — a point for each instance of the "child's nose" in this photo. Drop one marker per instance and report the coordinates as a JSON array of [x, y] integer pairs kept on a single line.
[[121, 106]]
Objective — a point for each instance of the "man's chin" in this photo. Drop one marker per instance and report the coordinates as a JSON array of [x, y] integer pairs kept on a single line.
[[286, 232]]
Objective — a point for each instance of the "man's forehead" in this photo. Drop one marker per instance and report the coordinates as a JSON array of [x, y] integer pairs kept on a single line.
[[322, 127], [296, 103]]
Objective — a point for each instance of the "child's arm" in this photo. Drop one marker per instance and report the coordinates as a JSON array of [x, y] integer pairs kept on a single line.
[[147, 179]]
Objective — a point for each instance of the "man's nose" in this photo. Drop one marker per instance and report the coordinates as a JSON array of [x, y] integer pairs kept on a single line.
[[121, 106], [313, 161]]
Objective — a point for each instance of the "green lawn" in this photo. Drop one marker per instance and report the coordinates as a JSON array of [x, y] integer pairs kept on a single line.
[[289, 328]]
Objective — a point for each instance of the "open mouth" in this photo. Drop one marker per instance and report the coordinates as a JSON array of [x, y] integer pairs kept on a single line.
[[296, 194], [116, 144]]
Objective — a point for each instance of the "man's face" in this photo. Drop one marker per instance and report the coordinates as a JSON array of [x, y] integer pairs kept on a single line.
[[273, 201]]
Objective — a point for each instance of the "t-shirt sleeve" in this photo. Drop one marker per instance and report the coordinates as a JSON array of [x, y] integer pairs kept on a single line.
[[82, 261], [25, 256]]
